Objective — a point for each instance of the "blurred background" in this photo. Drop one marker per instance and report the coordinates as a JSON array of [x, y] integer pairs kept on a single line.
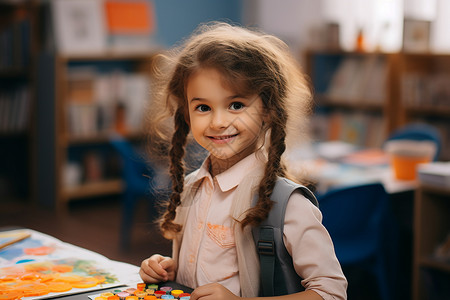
[[75, 78]]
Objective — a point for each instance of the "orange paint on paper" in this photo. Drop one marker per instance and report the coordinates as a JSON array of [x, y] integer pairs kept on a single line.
[[59, 287], [10, 295], [85, 283], [62, 268], [44, 250], [42, 278]]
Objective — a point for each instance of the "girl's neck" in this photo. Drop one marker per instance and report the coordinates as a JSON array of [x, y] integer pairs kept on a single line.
[[218, 165]]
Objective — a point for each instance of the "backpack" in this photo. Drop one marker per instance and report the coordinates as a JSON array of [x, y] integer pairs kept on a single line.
[[268, 236]]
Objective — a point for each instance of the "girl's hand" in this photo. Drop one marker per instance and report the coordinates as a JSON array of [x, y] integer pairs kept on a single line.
[[213, 291], [157, 268]]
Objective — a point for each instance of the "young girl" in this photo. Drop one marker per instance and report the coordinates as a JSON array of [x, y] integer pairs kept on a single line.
[[236, 91]]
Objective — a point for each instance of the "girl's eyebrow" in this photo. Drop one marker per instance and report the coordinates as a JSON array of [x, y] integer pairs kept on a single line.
[[229, 98], [197, 99]]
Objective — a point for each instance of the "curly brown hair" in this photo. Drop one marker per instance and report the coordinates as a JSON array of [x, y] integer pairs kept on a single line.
[[253, 63]]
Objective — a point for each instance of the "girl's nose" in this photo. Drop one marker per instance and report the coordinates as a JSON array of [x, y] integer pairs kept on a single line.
[[219, 120]]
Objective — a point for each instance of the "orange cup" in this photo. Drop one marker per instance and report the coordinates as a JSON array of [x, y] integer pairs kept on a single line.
[[405, 167], [406, 155]]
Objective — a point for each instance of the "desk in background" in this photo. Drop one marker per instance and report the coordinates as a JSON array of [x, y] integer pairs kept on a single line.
[[336, 164]]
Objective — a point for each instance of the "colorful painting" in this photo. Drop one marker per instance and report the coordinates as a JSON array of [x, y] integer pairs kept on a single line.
[[34, 248], [49, 277], [41, 266], [11, 237]]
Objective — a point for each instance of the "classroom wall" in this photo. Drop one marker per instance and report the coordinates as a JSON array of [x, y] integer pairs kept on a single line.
[[176, 19]]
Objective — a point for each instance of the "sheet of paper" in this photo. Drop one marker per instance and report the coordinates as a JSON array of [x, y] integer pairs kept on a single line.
[[45, 264]]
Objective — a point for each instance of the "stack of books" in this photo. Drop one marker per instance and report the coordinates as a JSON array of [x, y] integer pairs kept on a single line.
[[435, 173]]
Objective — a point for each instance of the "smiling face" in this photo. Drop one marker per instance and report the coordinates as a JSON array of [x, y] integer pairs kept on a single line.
[[227, 124]]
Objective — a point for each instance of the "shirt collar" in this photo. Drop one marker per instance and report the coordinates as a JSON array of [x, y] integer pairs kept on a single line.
[[251, 164], [231, 178]]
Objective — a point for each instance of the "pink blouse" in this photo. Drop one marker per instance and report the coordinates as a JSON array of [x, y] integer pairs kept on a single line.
[[208, 252]]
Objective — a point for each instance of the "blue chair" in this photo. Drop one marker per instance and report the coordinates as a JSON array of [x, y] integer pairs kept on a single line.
[[357, 218], [139, 183], [418, 132]]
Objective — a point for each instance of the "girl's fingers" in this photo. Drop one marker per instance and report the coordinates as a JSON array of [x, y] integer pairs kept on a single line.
[[152, 270]]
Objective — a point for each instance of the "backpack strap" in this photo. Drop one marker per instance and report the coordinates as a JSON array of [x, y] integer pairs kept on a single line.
[[273, 256]]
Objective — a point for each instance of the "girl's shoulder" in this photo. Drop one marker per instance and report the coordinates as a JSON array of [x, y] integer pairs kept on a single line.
[[284, 188]]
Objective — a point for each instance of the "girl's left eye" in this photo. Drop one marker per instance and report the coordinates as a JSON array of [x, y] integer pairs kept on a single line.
[[236, 106], [202, 108]]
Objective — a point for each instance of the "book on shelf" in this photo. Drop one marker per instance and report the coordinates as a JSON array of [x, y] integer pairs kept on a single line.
[[359, 79], [365, 130], [354, 129], [375, 86], [15, 43], [99, 101], [14, 109], [319, 126], [345, 82], [425, 90]]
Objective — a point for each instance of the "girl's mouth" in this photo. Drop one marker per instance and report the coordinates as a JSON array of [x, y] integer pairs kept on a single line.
[[222, 139]]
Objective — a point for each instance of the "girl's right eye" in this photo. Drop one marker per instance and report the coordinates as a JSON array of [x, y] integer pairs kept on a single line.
[[202, 108]]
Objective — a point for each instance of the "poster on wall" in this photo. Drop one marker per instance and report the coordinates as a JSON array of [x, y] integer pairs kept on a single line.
[[79, 26], [416, 35]]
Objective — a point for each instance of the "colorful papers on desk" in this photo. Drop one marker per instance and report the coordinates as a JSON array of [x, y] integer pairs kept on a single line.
[[42, 267], [328, 175], [334, 150], [336, 164], [367, 158], [10, 237]]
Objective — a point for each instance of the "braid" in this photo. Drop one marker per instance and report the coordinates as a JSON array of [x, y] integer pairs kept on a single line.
[[176, 155], [274, 168]]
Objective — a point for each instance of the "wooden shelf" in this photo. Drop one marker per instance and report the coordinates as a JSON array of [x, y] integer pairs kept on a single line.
[[358, 104], [19, 22], [435, 264], [111, 55], [428, 110], [81, 139], [20, 134], [100, 138], [431, 228], [413, 83], [434, 189], [14, 73], [359, 91], [94, 189]]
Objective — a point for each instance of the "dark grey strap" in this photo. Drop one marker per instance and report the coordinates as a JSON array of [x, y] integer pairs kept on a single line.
[[265, 236], [266, 250]]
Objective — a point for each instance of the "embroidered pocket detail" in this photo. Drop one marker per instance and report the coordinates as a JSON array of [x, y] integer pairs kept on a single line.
[[222, 235]]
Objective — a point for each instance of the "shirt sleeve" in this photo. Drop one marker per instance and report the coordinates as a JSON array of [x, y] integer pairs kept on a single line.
[[312, 250]]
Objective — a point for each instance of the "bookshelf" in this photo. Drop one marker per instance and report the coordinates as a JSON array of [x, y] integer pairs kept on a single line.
[[18, 46], [91, 97], [382, 91], [431, 228], [425, 92], [356, 93]]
